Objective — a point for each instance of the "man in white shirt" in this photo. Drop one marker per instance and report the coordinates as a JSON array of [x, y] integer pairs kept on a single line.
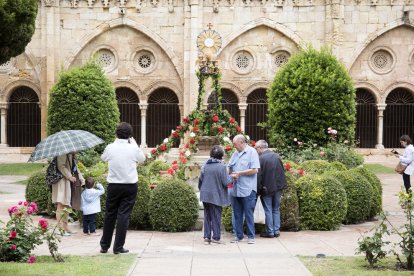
[[122, 157]]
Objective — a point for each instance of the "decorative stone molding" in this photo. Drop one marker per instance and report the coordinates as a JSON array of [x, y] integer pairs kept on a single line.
[[155, 3], [49, 3], [122, 3], [170, 6], [247, 2], [374, 2], [243, 61], [278, 3], [138, 7], [8, 66], [105, 3], [107, 57], [90, 3], [4, 106], [74, 3], [216, 6], [382, 60], [144, 61]]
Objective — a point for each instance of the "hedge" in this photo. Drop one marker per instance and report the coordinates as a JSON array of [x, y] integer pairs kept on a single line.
[[289, 206], [315, 166], [322, 202], [38, 191], [140, 214]]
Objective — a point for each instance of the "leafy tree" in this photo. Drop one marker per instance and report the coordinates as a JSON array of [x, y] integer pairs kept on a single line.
[[17, 21], [83, 98], [312, 92]]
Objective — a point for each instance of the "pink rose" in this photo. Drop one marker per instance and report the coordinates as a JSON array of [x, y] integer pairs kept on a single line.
[[31, 259], [13, 247]]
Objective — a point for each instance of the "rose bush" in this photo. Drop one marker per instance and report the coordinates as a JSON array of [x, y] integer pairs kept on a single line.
[[21, 235]]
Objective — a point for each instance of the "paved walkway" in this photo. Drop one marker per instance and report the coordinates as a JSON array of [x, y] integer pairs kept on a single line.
[[181, 254]]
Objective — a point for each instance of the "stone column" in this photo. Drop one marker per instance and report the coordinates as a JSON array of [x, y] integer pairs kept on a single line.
[[143, 107], [3, 123], [242, 107], [380, 131], [334, 22]]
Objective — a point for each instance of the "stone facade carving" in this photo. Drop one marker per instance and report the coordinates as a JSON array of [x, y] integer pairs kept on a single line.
[[49, 3]]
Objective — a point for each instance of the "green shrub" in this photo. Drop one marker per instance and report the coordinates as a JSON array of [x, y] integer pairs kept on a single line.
[[289, 206], [309, 94], [173, 206], [322, 202], [38, 191], [226, 218], [376, 200], [140, 214], [315, 166], [337, 166], [343, 153], [89, 157], [96, 170], [100, 217], [358, 194], [83, 98]]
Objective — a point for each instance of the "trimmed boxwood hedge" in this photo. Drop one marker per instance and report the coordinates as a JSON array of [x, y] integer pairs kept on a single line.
[[38, 191], [140, 214], [376, 201], [322, 202], [173, 206], [358, 193], [337, 166], [315, 166], [226, 218], [289, 206]]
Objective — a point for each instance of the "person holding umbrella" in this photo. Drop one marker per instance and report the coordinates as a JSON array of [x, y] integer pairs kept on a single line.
[[62, 191]]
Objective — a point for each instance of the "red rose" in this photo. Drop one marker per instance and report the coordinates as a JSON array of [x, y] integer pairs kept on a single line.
[[238, 129], [13, 247], [174, 167], [171, 171], [163, 147], [25, 203], [301, 172], [232, 120], [183, 160], [288, 167], [13, 234], [192, 141], [253, 143], [174, 162], [185, 120], [196, 122], [228, 148], [187, 146], [195, 128], [153, 151], [175, 134], [221, 129], [179, 127], [31, 259], [215, 118]]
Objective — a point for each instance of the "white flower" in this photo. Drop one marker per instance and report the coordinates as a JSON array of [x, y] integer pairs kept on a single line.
[[315, 145], [295, 139], [346, 142], [187, 153], [226, 139], [247, 137], [329, 128], [334, 132], [149, 155], [165, 141], [172, 131], [192, 134]]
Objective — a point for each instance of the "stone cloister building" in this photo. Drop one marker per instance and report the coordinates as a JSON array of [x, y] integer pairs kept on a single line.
[[148, 49]]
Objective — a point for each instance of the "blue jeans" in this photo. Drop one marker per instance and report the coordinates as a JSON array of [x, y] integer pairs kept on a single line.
[[271, 206], [89, 223], [244, 207]]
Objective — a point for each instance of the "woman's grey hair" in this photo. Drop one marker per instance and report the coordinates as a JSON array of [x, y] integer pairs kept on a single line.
[[217, 152], [262, 144]]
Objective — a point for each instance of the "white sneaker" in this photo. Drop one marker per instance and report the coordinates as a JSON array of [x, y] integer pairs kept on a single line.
[[236, 240], [66, 234], [251, 241]]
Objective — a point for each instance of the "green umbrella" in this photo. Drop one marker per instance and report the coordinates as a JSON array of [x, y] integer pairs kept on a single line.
[[64, 142]]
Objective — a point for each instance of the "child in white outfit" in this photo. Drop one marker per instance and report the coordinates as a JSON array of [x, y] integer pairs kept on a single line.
[[90, 205]]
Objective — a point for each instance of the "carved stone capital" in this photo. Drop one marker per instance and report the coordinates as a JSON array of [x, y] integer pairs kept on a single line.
[[3, 106], [381, 107], [49, 3]]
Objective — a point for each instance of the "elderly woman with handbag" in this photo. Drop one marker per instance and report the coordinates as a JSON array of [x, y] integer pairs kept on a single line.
[[407, 160], [65, 191]]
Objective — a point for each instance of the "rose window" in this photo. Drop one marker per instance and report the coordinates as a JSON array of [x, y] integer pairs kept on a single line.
[[106, 59], [381, 61], [243, 62], [144, 61], [281, 58]]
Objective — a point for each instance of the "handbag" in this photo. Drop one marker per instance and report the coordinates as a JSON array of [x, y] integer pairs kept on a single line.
[[53, 174], [400, 168]]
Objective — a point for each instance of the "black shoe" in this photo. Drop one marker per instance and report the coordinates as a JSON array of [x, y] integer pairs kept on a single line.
[[277, 235], [103, 251], [123, 250], [265, 235]]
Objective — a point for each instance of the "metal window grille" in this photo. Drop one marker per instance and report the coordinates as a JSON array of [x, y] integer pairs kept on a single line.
[[256, 113], [128, 105], [229, 102], [367, 119]]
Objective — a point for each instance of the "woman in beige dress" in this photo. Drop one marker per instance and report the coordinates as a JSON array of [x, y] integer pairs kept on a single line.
[[61, 191]]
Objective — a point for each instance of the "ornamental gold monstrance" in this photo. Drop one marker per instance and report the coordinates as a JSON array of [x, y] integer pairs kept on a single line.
[[208, 43]]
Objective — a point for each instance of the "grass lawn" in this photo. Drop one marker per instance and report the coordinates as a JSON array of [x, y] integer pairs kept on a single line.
[[21, 168], [378, 168], [73, 265], [350, 266]]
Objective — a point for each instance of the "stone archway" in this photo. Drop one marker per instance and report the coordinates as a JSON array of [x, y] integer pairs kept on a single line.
[[367, 119], [163, 115], [398, 116], [23, 118], [229, 102], [128, 105], [256, 112]]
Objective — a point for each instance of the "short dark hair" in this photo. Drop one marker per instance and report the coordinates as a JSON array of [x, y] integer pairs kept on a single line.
[[89, 182], [406, 138], [124, 131], [217, 152]]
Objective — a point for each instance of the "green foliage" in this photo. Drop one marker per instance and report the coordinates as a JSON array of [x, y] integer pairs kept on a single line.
[[322, 202], [89, 157], [100, 217], [376, 199], [289, 206], [17, 21], [372, 246], [173, 206], [343, 153], [358, 194], [226, 218], [309, 94], [151, 170], [315, 166], [83, 98], [96, 170], [337, 166], [140, 214], [38, 191]]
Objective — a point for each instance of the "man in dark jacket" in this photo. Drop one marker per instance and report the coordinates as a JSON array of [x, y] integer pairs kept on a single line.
[[271, 181]]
